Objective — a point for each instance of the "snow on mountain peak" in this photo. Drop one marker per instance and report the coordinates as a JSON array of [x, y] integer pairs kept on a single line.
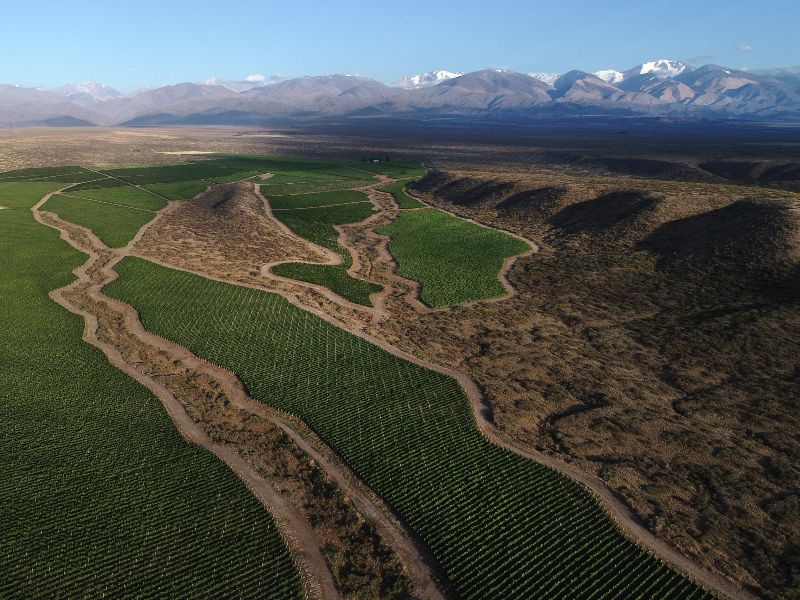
[[548, 78], [663, 68], [426, 79], [248, 83], [98, 91], [610, 75]]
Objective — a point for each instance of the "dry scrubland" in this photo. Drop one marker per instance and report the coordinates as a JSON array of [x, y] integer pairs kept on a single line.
[[655, 338], [655, 342]]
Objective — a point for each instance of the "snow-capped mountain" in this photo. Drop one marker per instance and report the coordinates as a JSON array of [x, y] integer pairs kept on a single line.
[[548, 78], [413, 82], [98, 92], [663, 69], [661, 88], [610, 76], [238, 86]]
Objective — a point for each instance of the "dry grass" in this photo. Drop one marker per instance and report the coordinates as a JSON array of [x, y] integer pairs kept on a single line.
[[363, 565], [656, 342], [226, 233]]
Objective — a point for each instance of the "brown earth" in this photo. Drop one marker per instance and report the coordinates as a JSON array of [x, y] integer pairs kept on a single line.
[[323, 513], [228, 233], [641, 348], [368, 329], [654, 343]]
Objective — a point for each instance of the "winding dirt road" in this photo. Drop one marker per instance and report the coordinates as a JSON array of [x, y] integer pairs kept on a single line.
[[294, 528], [293, 525], [333, 259], [409, 551]]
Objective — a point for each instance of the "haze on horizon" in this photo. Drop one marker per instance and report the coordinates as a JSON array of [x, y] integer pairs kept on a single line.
[[150, 43]]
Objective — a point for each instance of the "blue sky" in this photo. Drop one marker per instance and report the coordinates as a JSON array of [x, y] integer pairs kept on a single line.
[[132, 44]]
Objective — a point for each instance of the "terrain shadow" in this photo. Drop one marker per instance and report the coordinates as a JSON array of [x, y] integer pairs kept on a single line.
[[604, 212]]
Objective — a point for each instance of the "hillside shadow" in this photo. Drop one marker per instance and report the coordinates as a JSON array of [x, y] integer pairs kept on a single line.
[[604, 212], [543, 200], [745, 225]]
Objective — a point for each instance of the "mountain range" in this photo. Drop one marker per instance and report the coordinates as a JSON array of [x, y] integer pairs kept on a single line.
[[661, 88]]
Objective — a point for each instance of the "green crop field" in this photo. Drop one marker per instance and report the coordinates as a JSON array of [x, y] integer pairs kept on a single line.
[[500, 525], [271, 186], [337, 174], [315, 200], [169, 174], [344, 172], [115, 225], [71, 178], [271, 164], [18, 195], [289, 177], [315, 225], [179, 190], [232, 178], [397, 169], [335, 278], [46, 173], [100, 496], [455, 261], [98, 184], [141, 165], [128, 196], [403, 200]]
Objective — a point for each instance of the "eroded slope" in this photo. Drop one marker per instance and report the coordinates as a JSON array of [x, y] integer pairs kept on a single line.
[[655, 342]]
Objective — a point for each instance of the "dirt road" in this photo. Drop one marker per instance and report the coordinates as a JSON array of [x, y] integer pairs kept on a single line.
[[616, 506], [294, 526]]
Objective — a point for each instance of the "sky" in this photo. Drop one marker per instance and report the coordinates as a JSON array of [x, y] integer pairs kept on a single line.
[[151, 43]]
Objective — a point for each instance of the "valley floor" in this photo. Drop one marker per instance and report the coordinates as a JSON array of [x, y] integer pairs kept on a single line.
[[620, 357]]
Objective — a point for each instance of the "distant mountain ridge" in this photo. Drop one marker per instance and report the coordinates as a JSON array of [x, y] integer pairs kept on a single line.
[[424, 80], [661, 88]]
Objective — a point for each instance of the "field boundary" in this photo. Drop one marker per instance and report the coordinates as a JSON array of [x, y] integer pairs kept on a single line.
[[334, 259], [630, 522], [295, 530], [293, 526]]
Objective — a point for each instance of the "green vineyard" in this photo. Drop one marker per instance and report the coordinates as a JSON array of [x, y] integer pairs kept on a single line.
[[404, 201], [396, 169], [316, 225], [286, 202], [116, 226], [500, 525], [178, 190], [127, 196], [272, 187], [100, 496], [455, 261]]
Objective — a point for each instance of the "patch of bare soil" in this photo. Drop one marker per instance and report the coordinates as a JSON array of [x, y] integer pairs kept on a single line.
[[402, 325], [662, 364], [227, 233], [655, 342], [321, 511], [193, 234]]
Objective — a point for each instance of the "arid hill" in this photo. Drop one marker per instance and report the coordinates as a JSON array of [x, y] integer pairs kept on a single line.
[[655, 343]]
